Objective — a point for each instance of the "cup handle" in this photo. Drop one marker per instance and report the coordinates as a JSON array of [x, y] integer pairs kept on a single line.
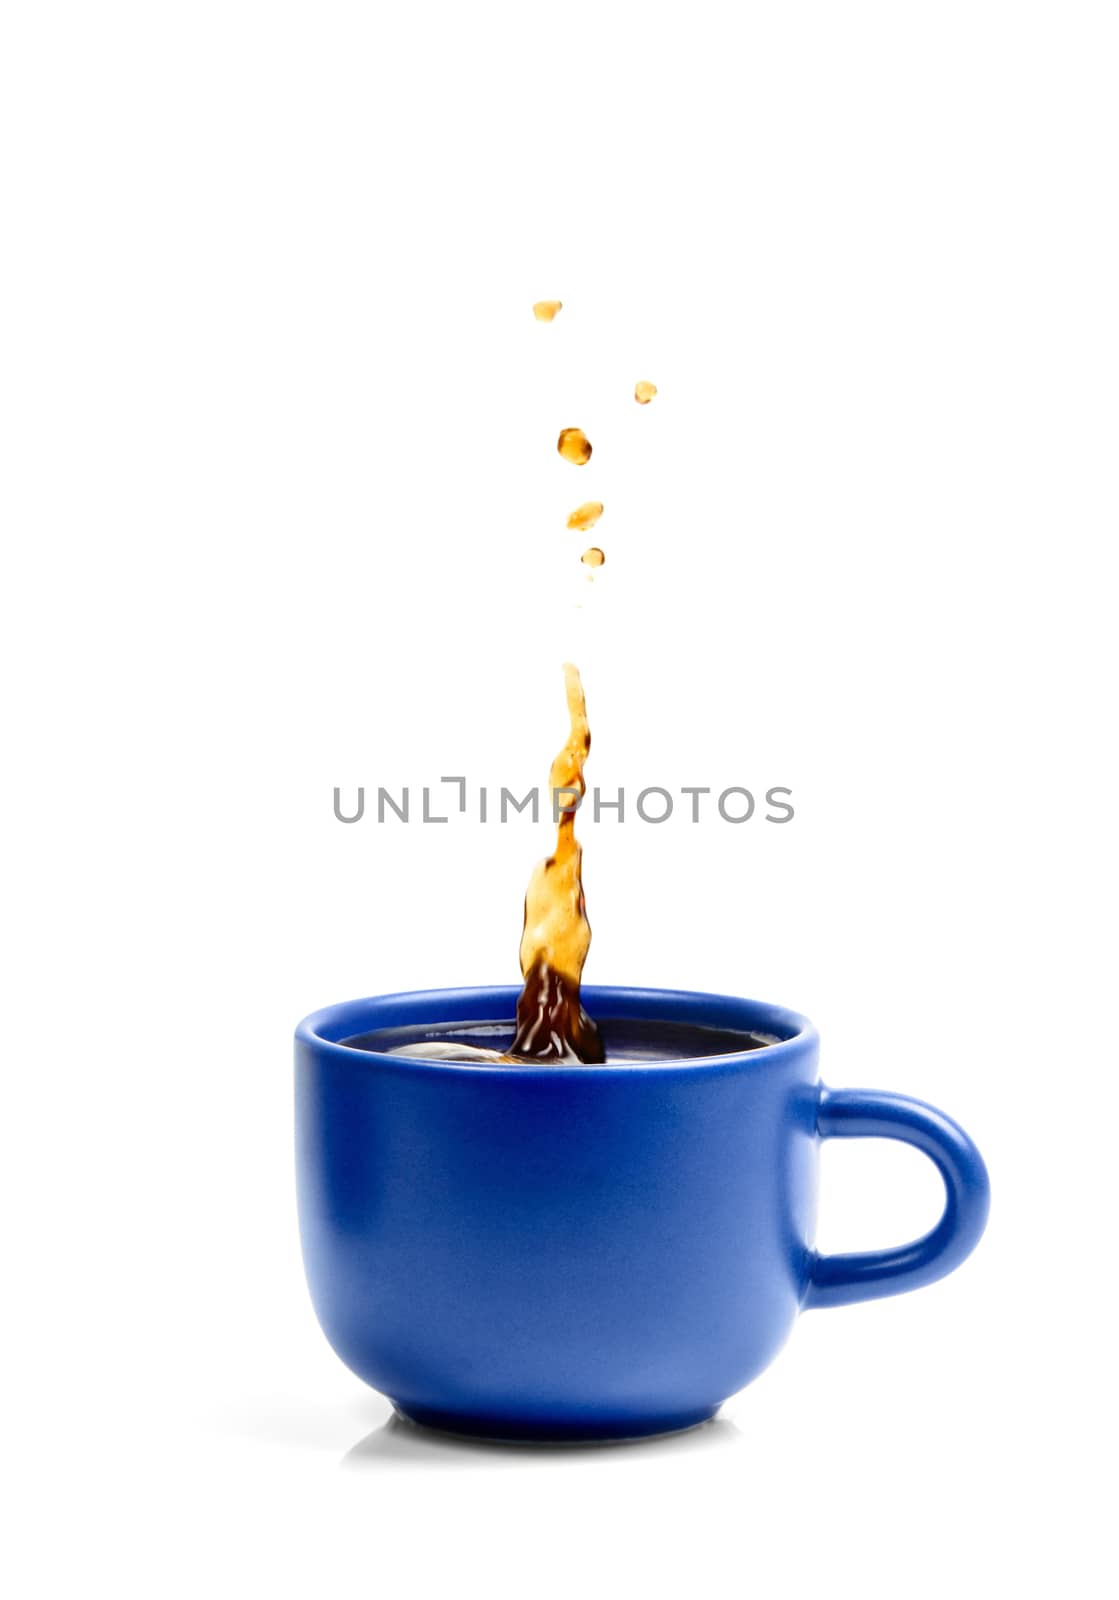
[[870, 1114]]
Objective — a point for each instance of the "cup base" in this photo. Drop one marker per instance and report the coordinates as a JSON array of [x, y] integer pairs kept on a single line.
[[591, 1430]]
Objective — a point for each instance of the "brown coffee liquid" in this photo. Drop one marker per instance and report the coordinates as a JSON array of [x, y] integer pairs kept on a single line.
[[551, 1022], [574, 446], [632, 1041], [584, 517]]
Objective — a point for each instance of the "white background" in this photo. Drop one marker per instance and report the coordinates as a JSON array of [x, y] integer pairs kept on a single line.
[[282, 511]]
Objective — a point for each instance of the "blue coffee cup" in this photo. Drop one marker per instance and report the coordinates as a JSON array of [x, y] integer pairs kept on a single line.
[[555, 1252]]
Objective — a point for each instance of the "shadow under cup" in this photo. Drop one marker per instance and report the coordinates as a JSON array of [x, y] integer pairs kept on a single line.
[[573, 1252]]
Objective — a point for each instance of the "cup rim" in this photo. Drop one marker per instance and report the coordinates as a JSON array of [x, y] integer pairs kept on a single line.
[[327, 1028]]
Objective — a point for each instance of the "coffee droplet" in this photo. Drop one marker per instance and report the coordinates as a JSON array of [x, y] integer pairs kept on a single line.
[[547, 310], [593, 557], [644, 392], [585, 516], [573, 445]]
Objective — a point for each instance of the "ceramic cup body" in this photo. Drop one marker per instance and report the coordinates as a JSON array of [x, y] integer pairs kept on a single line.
[[584, 1252]]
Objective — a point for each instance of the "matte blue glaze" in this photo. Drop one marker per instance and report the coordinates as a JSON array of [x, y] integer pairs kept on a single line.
[[585, 1252]]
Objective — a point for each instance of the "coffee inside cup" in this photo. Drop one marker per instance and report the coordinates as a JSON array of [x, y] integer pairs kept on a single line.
[[624, 1039]]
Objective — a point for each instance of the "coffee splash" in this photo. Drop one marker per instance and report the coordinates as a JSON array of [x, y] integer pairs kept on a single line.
[[551, 1022], [552, 1025]]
